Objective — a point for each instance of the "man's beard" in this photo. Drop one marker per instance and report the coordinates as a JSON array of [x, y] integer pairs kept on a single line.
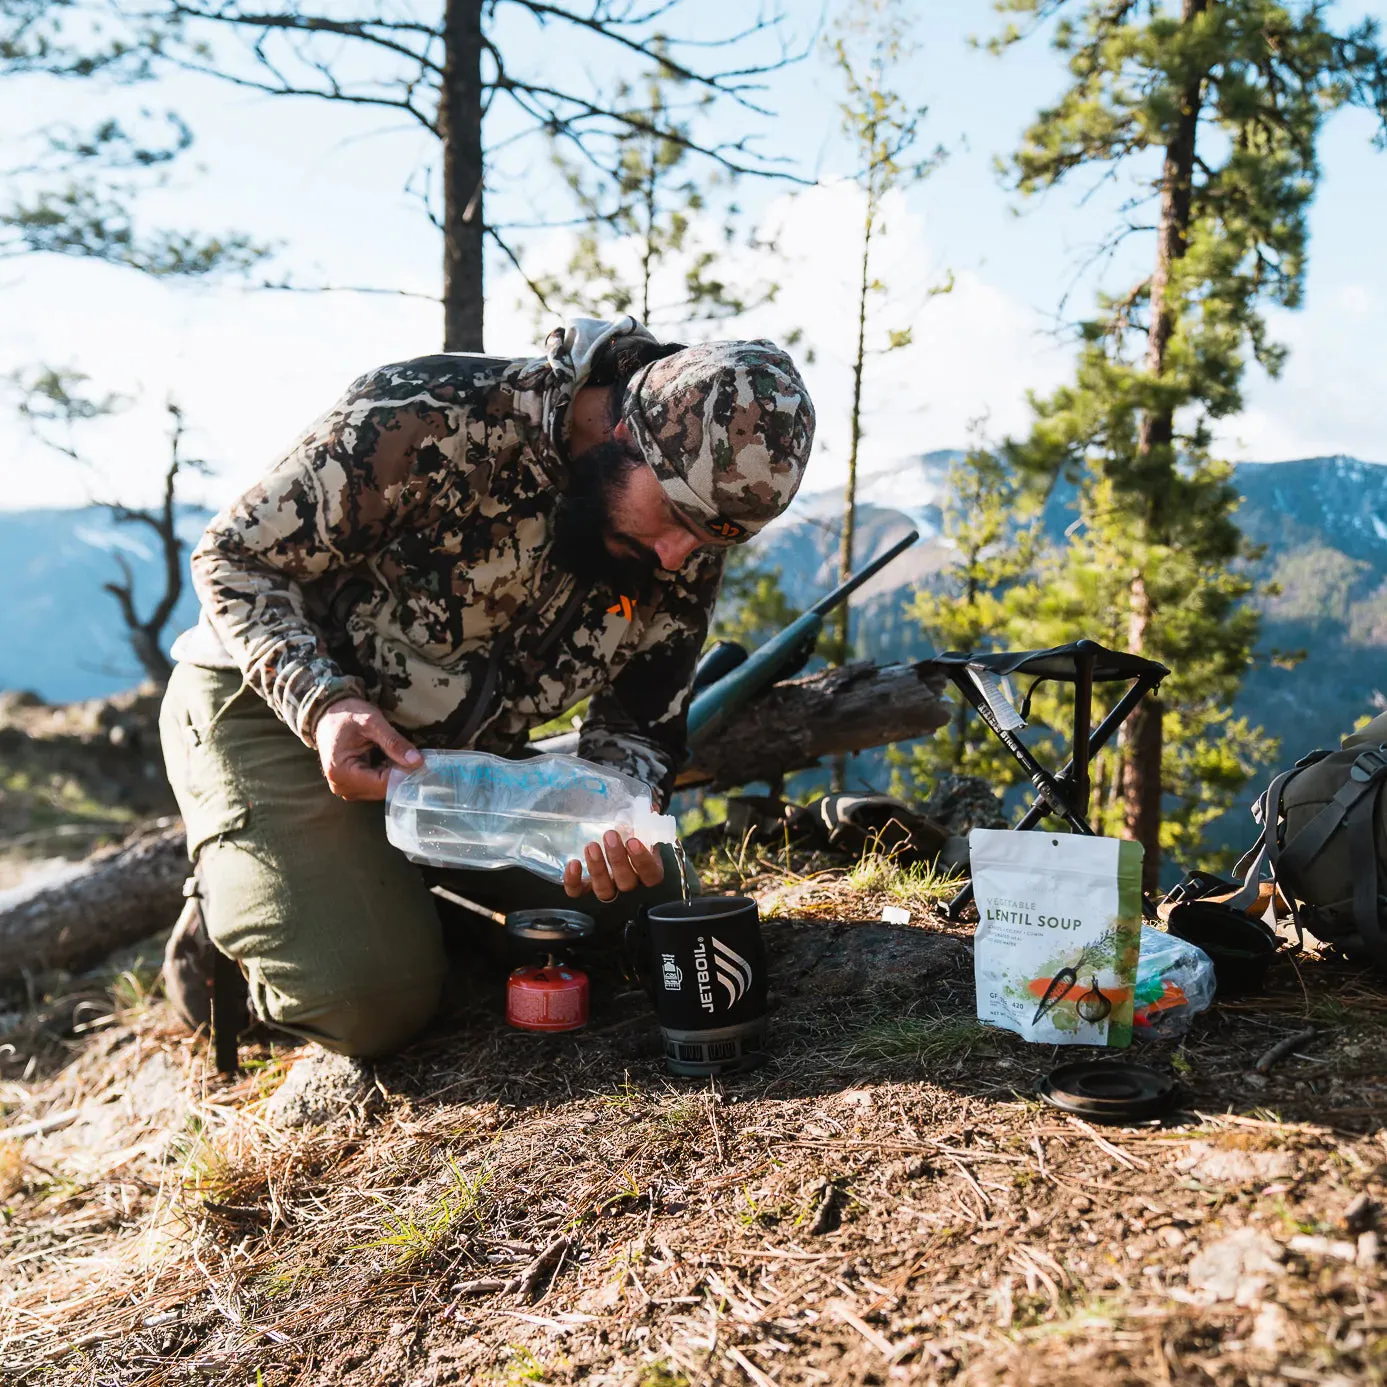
[[582, 525]]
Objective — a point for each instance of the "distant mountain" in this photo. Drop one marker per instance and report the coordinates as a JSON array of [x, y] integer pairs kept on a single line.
[[1322, 523], [61, 635]]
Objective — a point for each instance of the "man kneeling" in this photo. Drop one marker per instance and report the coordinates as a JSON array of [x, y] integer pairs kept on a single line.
[[459, 550]]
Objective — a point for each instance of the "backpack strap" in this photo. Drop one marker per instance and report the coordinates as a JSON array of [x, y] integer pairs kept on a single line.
[[1266, 850], [1265, 853], [1364, 779], [1360, 824]]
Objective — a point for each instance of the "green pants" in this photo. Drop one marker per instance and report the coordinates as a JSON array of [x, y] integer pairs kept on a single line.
[[336, 930]]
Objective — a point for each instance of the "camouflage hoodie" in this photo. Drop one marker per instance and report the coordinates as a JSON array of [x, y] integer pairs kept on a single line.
[[400, 553]]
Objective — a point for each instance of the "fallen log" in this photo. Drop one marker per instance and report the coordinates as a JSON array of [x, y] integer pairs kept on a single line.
[[123, 894], [797, 724], [116, 897]]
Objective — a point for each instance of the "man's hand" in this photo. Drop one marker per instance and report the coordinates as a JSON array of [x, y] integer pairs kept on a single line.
[[626, 866], [348, 734]]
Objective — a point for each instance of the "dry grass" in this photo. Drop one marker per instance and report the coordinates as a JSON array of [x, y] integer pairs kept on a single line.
[[885, 1202]]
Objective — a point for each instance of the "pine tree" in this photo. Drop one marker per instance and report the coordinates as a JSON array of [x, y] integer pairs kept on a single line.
[[752, 606], [872, 41], [1228, 99], [453, 70], [990, 519]]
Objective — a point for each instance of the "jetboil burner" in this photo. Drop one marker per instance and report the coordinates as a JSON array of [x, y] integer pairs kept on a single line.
[[548, 996], [553, 995]]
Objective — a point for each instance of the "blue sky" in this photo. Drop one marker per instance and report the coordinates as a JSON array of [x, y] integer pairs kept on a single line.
[[251, 369]]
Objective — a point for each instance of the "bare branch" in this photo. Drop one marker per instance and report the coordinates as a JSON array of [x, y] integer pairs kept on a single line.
[[284, 287], [520, 269], [334, 93], [363, 29], [656, 50], [723, 154]]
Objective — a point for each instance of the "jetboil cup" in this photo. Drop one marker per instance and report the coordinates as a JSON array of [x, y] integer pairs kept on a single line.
[[703, 964]]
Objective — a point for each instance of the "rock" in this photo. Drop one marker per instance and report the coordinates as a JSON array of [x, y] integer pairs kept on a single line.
[[842, 960], [1218, 1166], [321, 1086], [1238, 1267], [1360, 1215], [965, 802], [1312, 1245], [1269, 1329]]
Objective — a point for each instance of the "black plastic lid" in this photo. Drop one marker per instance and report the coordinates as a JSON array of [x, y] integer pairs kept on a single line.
[[1108, 1091]]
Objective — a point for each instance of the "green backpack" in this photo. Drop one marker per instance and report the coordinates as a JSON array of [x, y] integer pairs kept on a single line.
[[1324, 841]]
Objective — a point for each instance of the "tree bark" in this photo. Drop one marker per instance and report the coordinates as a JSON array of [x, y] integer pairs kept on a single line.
[[832, 713], [1142, 751], [842, 618], [1157, 427], [115, 897], [1143, 791], [460, 132], [1142, 739]]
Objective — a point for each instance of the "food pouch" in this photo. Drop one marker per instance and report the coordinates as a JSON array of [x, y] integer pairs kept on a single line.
[[1059, 935]]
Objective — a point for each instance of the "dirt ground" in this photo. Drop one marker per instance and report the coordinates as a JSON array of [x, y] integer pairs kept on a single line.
[[886, 1201]]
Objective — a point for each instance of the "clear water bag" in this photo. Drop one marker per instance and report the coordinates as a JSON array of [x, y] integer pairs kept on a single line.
[[473, 809]]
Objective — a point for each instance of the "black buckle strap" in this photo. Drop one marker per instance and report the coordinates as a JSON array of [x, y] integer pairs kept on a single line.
[[1371, 765], [1196, 886]]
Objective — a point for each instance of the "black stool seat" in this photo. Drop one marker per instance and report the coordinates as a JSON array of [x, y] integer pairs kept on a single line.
[[1083, 663], [1063, 662]]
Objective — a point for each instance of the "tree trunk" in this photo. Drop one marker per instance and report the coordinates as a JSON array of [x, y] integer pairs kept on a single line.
[[1142, 799], [1141, 783], [1172, 241], [848, 538], [460, 131], [1142, 736], [842, 618], [114, 898]]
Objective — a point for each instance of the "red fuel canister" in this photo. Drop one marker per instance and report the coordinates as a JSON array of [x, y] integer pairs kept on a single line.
[[547, 997]]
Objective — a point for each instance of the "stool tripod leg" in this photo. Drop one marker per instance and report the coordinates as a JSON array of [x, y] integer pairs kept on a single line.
[[1096, 740]]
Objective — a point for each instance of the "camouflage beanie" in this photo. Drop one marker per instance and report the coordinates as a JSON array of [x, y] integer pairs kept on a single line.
[[727, 428]]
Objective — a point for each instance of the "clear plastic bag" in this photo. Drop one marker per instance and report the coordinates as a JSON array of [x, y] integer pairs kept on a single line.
[[1175, 982], [473, 809]]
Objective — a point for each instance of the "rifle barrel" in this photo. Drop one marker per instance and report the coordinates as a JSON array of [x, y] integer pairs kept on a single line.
[[845, 590]]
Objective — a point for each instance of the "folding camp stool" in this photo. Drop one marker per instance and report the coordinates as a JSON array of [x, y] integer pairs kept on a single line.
[[1081, 663]]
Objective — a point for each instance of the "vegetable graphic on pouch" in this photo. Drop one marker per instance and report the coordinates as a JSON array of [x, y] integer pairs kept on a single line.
[[1093, 1006], [1056, 992]]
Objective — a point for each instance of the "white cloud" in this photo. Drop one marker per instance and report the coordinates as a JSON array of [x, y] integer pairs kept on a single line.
[[1331, 397], [250, 370], [253, 369]]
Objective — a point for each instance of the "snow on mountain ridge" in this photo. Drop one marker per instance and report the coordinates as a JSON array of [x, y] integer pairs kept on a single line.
[[916, 485]]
